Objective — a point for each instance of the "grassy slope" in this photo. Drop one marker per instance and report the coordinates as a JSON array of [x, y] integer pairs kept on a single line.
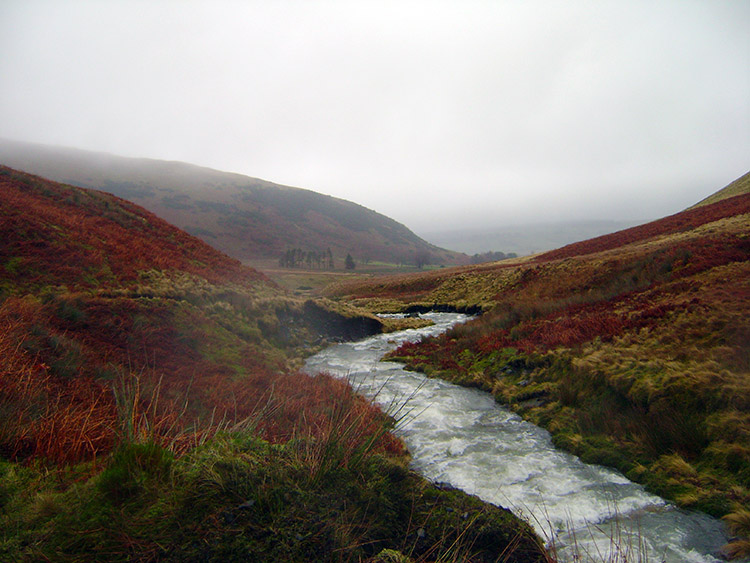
[[740, 186], [150, 409], [632, 348], [245, 217], [96, 289]]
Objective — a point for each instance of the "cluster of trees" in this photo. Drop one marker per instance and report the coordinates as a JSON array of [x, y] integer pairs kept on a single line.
[[298, 258], [422, 258], [492, 257], [312, 259]]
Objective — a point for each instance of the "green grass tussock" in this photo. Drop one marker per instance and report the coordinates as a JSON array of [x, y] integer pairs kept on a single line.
[[240, 498]]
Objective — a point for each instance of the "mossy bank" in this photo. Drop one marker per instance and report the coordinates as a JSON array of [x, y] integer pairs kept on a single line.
[[239, 498]]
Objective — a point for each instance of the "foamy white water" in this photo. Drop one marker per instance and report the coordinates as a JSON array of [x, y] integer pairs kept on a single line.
[[462, 437]]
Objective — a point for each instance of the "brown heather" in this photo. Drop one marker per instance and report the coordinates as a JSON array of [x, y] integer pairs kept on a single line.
[[150, 409], [632, 348]]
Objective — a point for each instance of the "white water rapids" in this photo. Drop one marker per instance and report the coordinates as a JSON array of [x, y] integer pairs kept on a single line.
[[462, 437]]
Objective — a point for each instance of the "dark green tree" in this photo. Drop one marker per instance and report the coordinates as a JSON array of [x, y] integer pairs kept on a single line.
[[422, 258], [349, 262]]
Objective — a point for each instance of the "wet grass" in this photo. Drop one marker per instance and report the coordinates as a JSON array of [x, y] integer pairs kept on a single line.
[[238, 497]]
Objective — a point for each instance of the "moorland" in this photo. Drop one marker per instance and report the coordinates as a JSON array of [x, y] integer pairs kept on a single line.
[[153, 410], [153, 407], [632, 348]]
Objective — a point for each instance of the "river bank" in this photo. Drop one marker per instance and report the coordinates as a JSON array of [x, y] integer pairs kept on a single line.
[[462, 437]]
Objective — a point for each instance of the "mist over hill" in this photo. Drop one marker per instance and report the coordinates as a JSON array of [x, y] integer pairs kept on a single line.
[[531, 238], [245, 217], [523, 239]]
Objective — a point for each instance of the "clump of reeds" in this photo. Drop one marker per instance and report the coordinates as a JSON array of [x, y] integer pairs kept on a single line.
[[739, 524]]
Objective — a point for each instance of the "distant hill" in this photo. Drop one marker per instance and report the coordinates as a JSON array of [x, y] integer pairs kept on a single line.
[[523, 239], [244, 217], [632, 348]]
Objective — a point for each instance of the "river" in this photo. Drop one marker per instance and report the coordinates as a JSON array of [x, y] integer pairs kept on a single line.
[[462, 437]]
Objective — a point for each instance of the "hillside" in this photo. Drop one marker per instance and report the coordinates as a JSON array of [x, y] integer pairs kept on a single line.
[[94, 288], [150, 409], [633, 348], [738, 187], [244, 217], [86, 239]]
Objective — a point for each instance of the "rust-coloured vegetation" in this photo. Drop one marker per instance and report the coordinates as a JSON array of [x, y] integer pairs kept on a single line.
[[679, 222], [151, 409], [59, 235], [631, 347], [116, 325]]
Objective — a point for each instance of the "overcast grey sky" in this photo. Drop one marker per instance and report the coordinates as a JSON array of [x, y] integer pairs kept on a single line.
[[434, 113]]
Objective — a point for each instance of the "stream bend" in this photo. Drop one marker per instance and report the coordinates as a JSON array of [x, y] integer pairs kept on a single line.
[[462, 437]]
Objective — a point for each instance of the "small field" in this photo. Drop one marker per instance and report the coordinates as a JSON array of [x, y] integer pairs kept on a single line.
[[311, 282]]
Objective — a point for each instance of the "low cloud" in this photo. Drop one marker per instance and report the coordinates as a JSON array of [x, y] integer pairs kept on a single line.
[[479, 111]]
